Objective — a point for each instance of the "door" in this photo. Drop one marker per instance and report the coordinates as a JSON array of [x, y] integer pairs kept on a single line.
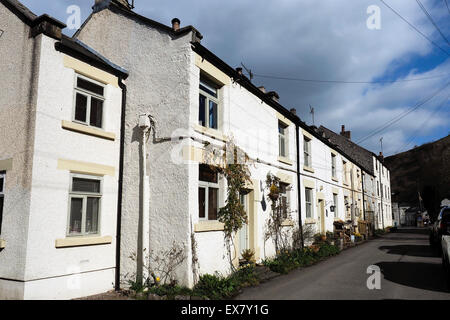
[[243, 233]]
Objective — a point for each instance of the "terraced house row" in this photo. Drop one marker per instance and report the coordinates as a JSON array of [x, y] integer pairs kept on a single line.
[[104, 154]]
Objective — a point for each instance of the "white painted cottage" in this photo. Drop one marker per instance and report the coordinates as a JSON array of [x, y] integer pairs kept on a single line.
[[60, 115]]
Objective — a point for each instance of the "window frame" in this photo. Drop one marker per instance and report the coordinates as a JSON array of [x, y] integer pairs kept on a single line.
[[209, 97], [207, 185], [287, 195], [336, 203], [2, 196], [84, 196], [307, 158], [344, 171], [333, 166], [89, 95], [309, 203], [285, 137]]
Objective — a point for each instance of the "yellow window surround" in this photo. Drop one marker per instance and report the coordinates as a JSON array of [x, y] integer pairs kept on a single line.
[[212, 70], [90, 71], [82, 241], [85, 167], [2, 244], [285, 160], [6, 165], [209, 226], [76, 127]]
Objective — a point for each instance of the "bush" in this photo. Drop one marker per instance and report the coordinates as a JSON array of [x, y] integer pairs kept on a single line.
[[216, 287], [287, 261]]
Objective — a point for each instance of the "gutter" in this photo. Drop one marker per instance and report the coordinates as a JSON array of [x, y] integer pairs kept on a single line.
[[120, 190], [298, 184]]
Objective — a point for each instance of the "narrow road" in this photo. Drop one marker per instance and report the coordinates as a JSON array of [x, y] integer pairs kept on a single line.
[[410, 270]]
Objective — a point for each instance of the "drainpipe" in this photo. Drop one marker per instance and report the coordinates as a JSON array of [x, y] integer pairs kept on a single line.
[[120, 189], [144, 228], [298, 184]]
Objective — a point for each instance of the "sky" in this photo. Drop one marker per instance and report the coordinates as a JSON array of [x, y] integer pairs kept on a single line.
[[341, 45]]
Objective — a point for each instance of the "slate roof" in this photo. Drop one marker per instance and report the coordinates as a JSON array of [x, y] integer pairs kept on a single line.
[[362, 156]]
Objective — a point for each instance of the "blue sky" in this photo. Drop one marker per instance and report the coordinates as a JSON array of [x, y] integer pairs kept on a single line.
[[326, 40]]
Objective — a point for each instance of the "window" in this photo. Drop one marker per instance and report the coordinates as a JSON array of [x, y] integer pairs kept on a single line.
[[208, 104], [347, 207], [344, 171], [335, 203], [378, 188], [307, 151], [282, 139], [2, 197], [284, 199], [308, 202], [85, 200], [89, 99], [333, 166], [208, 193]]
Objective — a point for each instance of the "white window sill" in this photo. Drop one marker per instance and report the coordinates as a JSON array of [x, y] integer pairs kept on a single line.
[[213, 133], [82, 241], [335, 179], [209, 226], [2, 244], [285, 160], [76, 127], [310, 221]]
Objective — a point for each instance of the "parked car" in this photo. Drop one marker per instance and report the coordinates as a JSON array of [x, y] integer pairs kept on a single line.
[[446, 254], [439, 227]]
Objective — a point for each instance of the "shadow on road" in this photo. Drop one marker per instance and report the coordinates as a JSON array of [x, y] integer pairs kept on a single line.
[[427, 276], [410, 250]]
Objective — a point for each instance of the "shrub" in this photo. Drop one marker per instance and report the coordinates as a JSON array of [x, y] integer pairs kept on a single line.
[[216, 287], [287, 261]]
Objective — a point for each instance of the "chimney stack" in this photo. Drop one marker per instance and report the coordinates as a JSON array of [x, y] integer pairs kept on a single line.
[[381, 156], [176, 24], [294, 111], [239, 71], [274, 96], [346, 134], [262, 88]]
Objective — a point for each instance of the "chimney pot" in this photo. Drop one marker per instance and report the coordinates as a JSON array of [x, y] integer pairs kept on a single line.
[[262, 88], [347, 134], [239, 71], [294, 111], [176, 24], [274, 96]]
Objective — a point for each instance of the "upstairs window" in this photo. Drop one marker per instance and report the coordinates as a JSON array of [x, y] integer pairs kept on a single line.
[[89, 100], [282, 139], [307, 151], [2, 197], [208, 193], [85, 198], [344, 172], [333, 166], [208, 104]]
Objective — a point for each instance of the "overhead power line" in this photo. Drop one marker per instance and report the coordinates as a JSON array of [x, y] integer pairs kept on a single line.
[[448, 8], [348, 82], [401, 116], [416, 132], [432, 20], [412, 26]]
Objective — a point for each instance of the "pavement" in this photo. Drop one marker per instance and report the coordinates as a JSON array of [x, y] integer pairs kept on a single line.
[[410, 270]]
